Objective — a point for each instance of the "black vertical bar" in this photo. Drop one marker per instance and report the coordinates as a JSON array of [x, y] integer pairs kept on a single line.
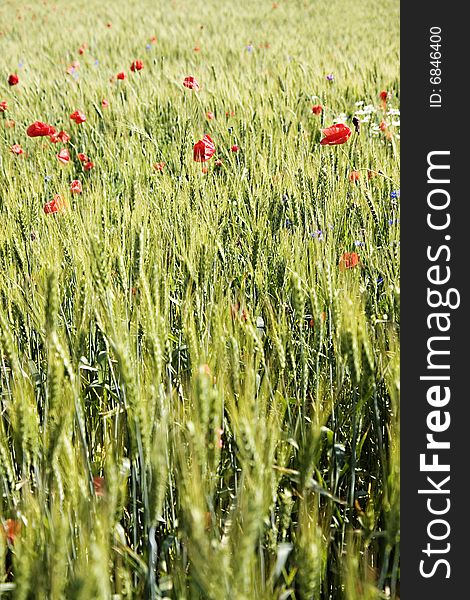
[[434, 386]]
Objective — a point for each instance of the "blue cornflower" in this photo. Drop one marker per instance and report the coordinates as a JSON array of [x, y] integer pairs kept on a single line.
[[148, 46], [395, 194], [330, 77], [359, 243]]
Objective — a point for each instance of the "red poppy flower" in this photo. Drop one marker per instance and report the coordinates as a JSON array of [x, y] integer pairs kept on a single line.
[[38, 129], [104, 103], [191, 83], [13, 79], [61, 136], [137, 65], [88, 165], [210, 115], [81, 50], [336, 134], [354, 176], [348, 260], [57, 204], [317, 109], [3, 106], [196, 49], [11, 529], [159, 166], [64, 156], [121, 76], [16, 149], [78, 117], [234, 148], [229, 113], [383, 126], [99, 485], [76, 187], [83, 157], [204, 149]]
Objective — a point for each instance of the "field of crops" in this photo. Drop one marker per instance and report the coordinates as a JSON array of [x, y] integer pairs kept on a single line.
[[199, 301]]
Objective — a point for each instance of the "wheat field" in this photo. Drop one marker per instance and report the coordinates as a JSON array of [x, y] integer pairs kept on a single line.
[[199, 361]]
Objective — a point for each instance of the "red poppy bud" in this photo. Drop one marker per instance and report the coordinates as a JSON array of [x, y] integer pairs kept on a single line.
[[3, 106], [121, 76], [13, 79], [383, 96], [234, 148], [317, 109], [88, 165]]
